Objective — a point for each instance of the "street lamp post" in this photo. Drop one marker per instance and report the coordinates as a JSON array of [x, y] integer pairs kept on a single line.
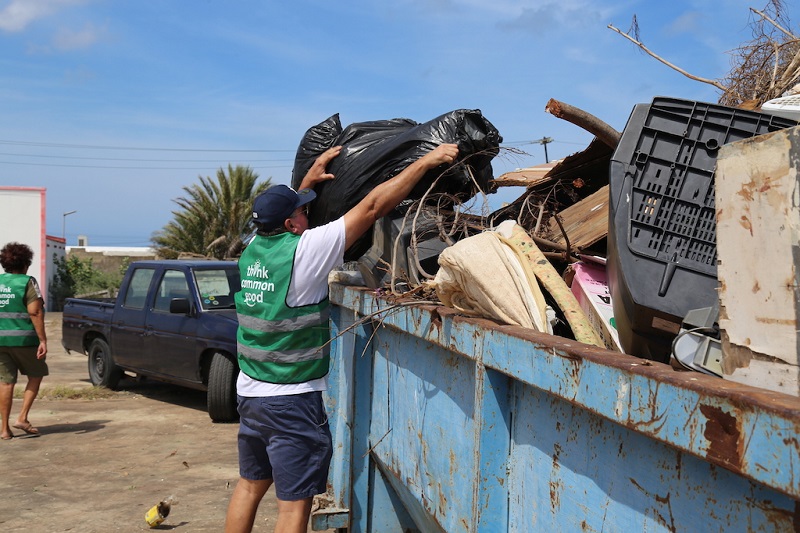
[[64, 225]]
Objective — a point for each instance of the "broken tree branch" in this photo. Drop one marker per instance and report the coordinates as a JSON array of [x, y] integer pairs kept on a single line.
[[778, 26], [715, 83], [791, 72], [585, 120], [775, 66]]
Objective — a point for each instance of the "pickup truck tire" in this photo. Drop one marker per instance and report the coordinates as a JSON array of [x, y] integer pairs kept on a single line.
[[222, 388], [103, 372]]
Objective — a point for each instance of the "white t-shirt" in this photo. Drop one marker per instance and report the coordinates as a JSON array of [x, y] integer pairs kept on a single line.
[[319, 251]]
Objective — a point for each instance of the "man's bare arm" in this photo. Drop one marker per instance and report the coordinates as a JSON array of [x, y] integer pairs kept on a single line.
[[386, 196], [36, 312]]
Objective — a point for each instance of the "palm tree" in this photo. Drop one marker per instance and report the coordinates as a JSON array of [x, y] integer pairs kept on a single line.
[[214, 216]]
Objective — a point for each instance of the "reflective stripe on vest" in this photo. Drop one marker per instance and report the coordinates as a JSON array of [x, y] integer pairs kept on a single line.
[[17, 333], [286, 356], [15, 316], [287, 324]]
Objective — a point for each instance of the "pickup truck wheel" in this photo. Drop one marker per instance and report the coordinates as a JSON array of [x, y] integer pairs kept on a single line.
[[102, 370], [222, 388]]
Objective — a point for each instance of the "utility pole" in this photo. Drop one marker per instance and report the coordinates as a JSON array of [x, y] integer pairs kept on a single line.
[[544, 141]]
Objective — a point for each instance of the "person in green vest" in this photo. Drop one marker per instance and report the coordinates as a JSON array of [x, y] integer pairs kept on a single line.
[[23, 342], [283, 339]]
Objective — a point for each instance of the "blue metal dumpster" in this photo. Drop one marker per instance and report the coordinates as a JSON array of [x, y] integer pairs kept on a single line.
[[446, 423]]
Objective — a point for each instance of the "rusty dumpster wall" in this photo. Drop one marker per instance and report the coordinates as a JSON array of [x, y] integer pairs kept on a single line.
[[443, 423]]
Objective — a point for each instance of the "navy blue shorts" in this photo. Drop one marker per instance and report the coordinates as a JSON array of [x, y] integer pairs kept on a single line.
[[286, 439]]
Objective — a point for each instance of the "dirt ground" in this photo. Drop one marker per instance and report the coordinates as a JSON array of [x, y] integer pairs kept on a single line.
[[99, 465]]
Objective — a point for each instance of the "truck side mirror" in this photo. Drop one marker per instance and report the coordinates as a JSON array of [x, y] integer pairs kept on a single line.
[[180, 306]]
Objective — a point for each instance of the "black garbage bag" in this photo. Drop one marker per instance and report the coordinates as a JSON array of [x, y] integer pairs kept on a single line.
[[375, 151], [316, 140]]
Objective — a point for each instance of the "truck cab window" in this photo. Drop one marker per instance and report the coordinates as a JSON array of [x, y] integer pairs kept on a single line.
[[173, 285], [217, 287], [138, 287]]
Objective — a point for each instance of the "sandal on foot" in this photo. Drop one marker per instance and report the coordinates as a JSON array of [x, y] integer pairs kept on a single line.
[[7, 437], [27, 428]]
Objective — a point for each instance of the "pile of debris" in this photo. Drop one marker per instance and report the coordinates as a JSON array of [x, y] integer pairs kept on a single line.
[[614, 246]]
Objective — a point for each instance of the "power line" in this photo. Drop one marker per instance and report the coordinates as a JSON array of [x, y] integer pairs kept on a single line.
[[137, 159], [121, 167], [543, 141], [569, 142], [507, 143], [137, 148], [234, 150]]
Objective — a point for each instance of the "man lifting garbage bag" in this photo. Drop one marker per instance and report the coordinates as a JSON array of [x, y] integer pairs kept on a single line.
[[375, 151]]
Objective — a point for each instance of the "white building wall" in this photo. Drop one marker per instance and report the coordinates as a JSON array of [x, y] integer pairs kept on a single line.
[[23, 220]]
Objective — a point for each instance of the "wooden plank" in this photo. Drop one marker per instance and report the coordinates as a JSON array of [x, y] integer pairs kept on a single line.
[[585, 222], [525, 177]]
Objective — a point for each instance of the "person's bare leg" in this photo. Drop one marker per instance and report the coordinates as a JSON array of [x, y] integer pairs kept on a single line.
[[293, 516], [31, 391], [6, 397], [244, 504]]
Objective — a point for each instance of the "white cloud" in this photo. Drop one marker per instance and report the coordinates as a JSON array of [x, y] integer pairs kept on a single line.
[[17, 14], [80, 75], [688, 22], [66, 40], [553, 16], [579, 54]]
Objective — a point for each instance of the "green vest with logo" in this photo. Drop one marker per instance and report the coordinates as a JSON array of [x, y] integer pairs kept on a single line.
[[278, 343], [16, 328]]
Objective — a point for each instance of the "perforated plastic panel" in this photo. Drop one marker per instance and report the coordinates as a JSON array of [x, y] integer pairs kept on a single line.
[[672, 213], [786, 106], [662, 229]]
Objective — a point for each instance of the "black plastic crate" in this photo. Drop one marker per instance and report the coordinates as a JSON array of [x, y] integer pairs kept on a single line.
[[662, 230]]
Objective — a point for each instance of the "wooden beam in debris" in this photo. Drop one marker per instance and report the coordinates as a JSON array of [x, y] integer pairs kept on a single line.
[[589, 167], [585, 222], [585, 120], [580, 174], [524, 177]]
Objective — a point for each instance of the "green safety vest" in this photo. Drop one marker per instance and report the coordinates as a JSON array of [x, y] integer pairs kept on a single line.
[[16, 327], [278, 343]]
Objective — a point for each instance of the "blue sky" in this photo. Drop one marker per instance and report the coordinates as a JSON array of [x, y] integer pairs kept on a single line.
[[115, 106]]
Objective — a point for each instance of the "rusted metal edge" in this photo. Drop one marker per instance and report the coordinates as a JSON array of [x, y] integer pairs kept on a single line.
[[752, 432]]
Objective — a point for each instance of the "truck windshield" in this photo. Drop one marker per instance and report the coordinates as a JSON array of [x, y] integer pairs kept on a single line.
[[217, 287]]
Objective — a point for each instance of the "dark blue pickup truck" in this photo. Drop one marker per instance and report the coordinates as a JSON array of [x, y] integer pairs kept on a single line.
[[173, 321]]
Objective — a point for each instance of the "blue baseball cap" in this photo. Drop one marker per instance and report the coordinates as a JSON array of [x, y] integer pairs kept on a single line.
[[277, 203]]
